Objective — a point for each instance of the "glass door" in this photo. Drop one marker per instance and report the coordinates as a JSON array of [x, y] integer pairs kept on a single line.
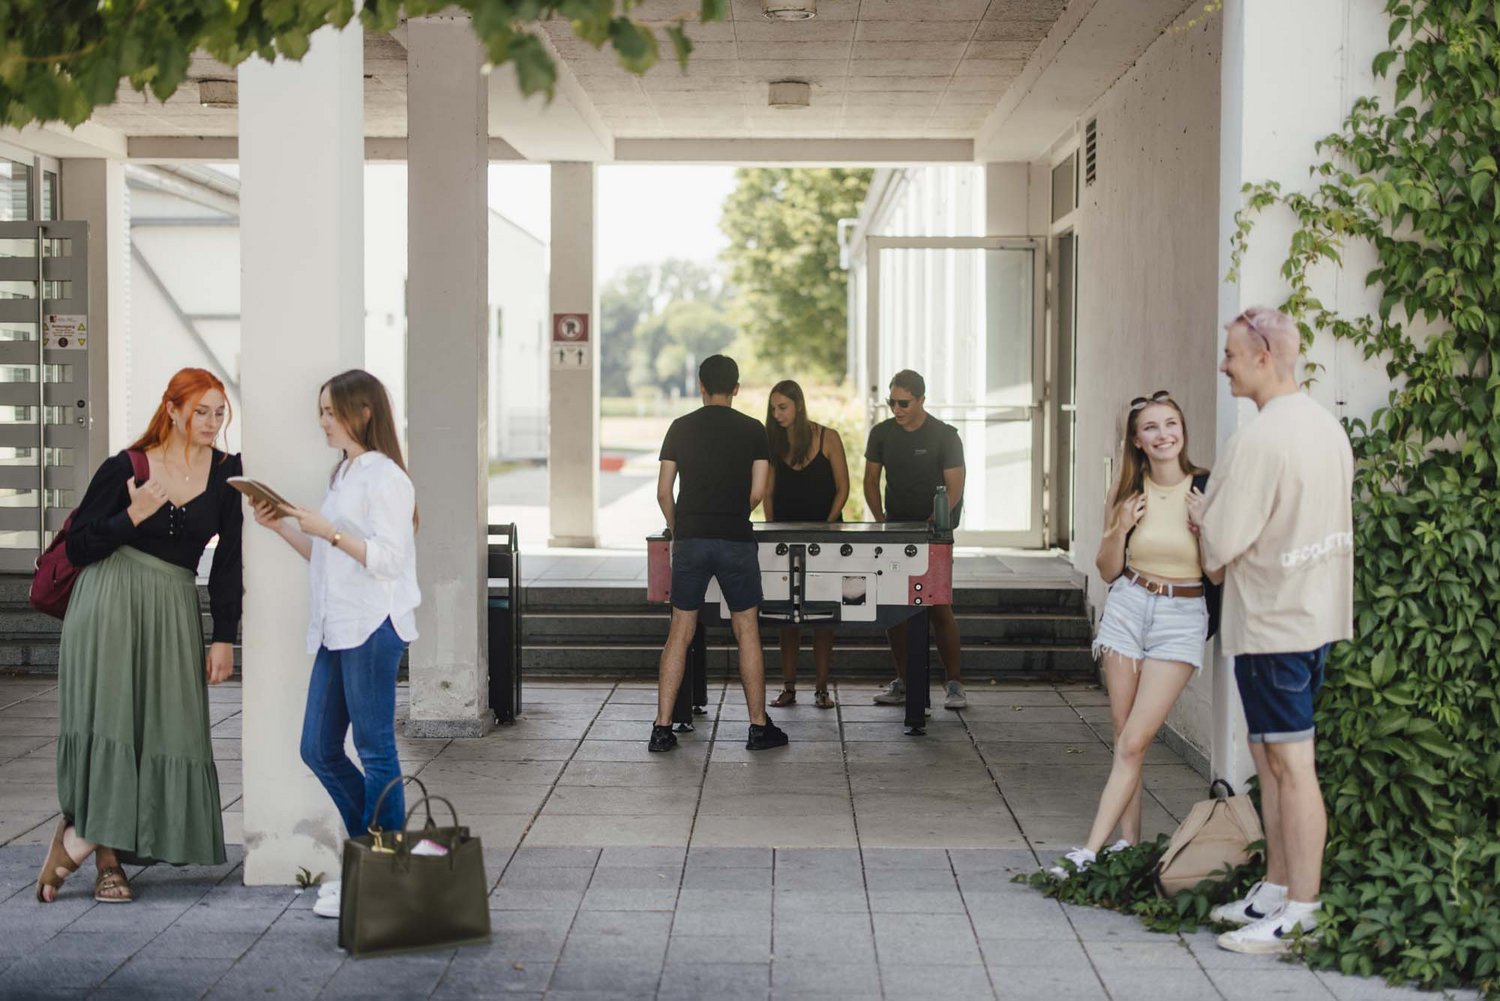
[[965, 312]]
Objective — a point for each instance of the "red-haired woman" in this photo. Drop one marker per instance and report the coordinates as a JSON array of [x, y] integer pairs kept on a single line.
[[809, 482], [135, 768], [362, 563]]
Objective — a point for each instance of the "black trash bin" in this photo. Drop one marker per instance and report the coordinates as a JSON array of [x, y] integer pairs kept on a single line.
[[504, 610]]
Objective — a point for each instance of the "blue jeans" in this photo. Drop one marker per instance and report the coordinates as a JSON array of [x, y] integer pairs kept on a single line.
[[357, 687]]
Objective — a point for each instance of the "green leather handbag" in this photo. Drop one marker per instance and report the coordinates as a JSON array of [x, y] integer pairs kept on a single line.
[[396, 900]]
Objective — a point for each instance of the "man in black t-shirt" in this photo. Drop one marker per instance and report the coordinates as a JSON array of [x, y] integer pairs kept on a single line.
[[919, 453], [724, 462]]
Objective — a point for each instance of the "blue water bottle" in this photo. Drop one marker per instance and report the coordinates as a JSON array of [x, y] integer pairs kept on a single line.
[[942, 515]]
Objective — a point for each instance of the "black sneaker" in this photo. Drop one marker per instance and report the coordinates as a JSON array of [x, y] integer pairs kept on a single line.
[[662, 738], [763, 737]]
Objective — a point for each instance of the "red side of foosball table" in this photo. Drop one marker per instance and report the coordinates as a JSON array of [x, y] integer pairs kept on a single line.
[[658, 571], [937, 582]]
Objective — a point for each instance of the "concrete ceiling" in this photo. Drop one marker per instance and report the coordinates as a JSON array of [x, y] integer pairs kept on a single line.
[[891, 80]]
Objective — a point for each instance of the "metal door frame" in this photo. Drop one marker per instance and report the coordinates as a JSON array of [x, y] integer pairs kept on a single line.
[[1037, 412]]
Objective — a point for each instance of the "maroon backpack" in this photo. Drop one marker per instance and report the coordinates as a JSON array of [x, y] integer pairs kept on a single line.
[[52, 585]]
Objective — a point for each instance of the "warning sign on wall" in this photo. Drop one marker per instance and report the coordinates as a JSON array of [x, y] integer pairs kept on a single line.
[[570, 340], [67, 331]]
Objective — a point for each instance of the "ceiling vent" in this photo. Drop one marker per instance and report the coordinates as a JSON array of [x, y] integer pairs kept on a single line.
[[789, 10], [218, 94], [790, 94], [1091, 151]]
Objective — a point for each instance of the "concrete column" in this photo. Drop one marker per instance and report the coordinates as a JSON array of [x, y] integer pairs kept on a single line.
[[1280, 93], [573, 437], [93, 191], [448, 372], [301, 154]]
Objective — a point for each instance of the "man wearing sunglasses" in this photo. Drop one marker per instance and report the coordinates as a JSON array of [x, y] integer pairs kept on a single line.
[[1278, 519], [918, 453]]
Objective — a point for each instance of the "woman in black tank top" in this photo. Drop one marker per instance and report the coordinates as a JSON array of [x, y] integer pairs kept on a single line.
[[809, 482]]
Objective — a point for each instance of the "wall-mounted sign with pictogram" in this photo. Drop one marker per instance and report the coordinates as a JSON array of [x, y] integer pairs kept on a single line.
[[570, 340]]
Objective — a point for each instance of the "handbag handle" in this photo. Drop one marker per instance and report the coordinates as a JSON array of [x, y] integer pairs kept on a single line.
[[1228, 789], [374, 827]]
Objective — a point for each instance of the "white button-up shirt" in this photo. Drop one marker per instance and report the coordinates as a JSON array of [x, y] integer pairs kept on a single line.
[[373, 499]]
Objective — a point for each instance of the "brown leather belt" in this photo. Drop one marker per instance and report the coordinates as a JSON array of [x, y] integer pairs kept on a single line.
[[1165, 590]]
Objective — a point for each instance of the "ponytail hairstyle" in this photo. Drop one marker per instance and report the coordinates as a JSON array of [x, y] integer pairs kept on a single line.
[[792, 445], [184, 391], [362, 405], [1133, 461]]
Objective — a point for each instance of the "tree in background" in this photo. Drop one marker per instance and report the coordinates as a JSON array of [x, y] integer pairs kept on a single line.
[[658, 322], [783, 253]]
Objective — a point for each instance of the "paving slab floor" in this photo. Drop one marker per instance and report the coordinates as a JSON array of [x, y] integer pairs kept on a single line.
[[856, 863]]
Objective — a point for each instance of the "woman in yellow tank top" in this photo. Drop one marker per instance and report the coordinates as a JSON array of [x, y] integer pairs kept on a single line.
[[1155, 621]]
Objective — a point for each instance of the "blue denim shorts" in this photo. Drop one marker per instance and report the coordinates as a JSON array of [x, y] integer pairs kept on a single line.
[[1139, 625], [734, 564], [1277, 691]]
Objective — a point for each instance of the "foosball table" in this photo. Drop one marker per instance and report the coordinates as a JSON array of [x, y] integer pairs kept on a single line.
[[870, 575]]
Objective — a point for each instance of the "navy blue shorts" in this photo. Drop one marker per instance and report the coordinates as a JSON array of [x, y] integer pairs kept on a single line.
[[1277, 692], [736, 566]]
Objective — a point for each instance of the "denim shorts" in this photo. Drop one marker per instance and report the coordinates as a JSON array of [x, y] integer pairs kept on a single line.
[[734, 564], [1139, 625], [1277, 692]]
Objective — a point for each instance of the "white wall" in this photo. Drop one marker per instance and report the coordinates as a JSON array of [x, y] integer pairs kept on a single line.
[[1148, 279]]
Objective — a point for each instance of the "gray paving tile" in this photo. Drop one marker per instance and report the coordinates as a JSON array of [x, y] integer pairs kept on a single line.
[[150, 976], [651, 899], [813, 976], [1252, 985], [848, 937], [746, 924], [1033, 983], [951, 983], [728, 858], [741, 878], [842, 901], [719, 949], [465, 979], [938, 939], [1134, 984], [1166, 953], [43, 971], [622, 976], [729, 981]]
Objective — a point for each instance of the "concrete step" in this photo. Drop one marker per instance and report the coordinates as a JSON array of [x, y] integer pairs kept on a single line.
[[980, 662], [1059, 599], [542, 628]]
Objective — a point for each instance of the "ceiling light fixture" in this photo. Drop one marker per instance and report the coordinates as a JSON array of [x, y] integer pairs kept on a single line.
[[218, 93], [790, 94], [789, 10]]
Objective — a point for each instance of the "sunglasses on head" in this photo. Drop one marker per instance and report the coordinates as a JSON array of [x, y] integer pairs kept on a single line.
[[1141, 402], [893, 403]]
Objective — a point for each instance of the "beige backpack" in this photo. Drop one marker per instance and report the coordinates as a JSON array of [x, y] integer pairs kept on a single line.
[[1217, 833]]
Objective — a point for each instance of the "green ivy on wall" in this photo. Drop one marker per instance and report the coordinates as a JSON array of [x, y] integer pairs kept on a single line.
[[60, 59]]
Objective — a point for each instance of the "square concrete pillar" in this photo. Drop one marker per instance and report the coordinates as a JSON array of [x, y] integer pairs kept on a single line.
[[573, 431], [93, 191], [301, 154], [447, 388], [1280, 93]]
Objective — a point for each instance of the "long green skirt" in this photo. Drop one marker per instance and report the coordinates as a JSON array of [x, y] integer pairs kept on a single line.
[[135, 768]]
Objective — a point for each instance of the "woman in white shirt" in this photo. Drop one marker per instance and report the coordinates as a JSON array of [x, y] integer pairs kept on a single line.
[[361, 549]]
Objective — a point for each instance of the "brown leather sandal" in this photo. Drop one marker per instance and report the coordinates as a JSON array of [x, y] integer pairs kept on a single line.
[[57, 858], [111, 886], [787, 697], [823, 700]]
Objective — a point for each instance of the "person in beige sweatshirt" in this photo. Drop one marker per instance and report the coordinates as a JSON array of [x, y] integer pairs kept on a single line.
[[1278, 519]]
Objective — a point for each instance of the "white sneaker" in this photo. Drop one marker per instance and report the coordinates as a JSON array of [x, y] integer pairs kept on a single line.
[[956, 698], [1118, 846], [1271, 936], [1263, 900], [893, 694], [1081, 858], [327, 907], [330, 888]]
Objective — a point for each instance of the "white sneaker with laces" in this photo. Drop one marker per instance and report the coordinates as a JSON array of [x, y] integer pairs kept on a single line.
[[1263, 900], [956, 698], [1118, 846], [893, 694], [330, 888], [327, 906], [1272, 936], [1081, 858]]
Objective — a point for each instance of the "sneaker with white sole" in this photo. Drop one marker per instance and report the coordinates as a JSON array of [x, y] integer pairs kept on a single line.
[[327, 907], [1273, 935], [329, 888], [893, 694], [1263, 900], [1118, 846], [956, 698], [1081, 858]]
